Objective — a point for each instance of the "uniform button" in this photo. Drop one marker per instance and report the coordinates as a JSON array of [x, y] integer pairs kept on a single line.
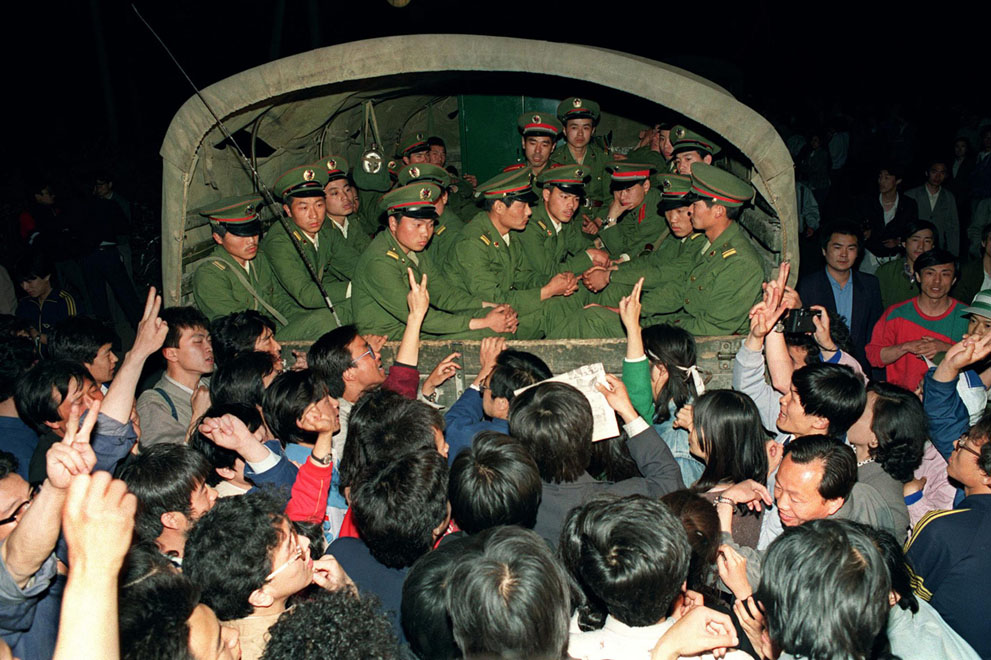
[[700, 288], [712, 254], [687, 301], [693, 278]]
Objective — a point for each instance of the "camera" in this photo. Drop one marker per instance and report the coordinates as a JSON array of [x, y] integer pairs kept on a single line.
[[800, 320]]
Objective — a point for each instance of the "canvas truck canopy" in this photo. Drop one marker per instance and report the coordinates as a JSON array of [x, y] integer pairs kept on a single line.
[[336, 100]]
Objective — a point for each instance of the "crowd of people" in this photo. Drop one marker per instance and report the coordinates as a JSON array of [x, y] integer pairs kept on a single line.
[[201, 496]]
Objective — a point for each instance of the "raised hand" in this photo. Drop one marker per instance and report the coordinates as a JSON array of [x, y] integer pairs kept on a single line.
[[699, 631], [418, 298], [629, 308], [73, 455], [151, 329], [733, 571], [98, 520], [443, 371], [618, 398]]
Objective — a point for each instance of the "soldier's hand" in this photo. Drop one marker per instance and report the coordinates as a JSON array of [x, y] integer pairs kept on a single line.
[[599, 257], [616, 209], [590, 225], [561, 284], [418, 298], [472, 179], [596, 278]]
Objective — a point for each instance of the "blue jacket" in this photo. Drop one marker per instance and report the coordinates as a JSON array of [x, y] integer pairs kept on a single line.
[[465, 419]]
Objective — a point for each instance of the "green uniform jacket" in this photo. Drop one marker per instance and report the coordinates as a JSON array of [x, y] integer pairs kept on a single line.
[[344, 252], [668, 262], [461, 198], [378, 299], [294, 280], [484, 265], [446, 234], [636, 228], [596, 159], [895, 285], [218, 291], [720, 289], [369, 214], [548, 252]]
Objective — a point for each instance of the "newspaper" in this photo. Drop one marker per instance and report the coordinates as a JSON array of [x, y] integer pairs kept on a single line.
[[583, 379]]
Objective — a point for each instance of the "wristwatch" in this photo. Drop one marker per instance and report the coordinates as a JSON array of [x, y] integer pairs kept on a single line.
[[324, 461]]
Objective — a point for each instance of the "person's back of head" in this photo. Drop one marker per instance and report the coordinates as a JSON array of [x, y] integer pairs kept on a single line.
[[400, 507], [228, 551], [526, 362], [237, 333], [701, 525], [285, 401], [732, 438], [154, 617], [635, 558], [164, 477], [590, 610], [512, 601], [35, 392], [899, 566], [222, 459], [494, 482], [242, 379], [833, 392], [79, 339], [424, 608], [329, 357], [824, 588], [514, 372], [17, 356], [900, 428], [553, 421]]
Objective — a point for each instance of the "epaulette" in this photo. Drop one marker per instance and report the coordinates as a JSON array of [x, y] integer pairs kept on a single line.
[[392, 254], [440, 230], [729, 253], [219, 264], [542, 225], [296, 234], [485, 239], [695, 235]]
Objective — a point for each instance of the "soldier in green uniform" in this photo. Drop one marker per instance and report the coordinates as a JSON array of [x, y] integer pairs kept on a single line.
[[460, 190], [415, 149], [236, 276], [551, 242], [381, 280], [689, 147], [580, 117], [347, 239], [655, 148], [717, 292], [301, 189], [631, 225], [540, 132], [448, 227], [489, 261]]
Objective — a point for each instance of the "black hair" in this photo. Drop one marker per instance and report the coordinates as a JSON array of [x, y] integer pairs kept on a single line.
[[701, 525], [936, 160], [899, 566], [333, 624], [935, 257], [17, 356], [384, 425], [611, 459], [894, 169], [635, 558], [494, 482], [154, 614], [236, 333], [8, 464], [424, 611], [329, 357], [915, 226], [514, 372], [286, 399], [79, 339], [14, 326], [436, 141], [900, 425], [841, 226], [220, 457], [838, 332], [163, 477], [34, 393], [589, 609], [839, 463], [512, 601], [674, 349], [831, 391], [730, 431], [398, 505], [179, 319], [240, 379], [229, 550], [553, 421], [824, 588], [33, 264]]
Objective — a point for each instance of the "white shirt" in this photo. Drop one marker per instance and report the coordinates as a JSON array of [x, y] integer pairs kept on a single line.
[[315, 240], [889, 214], [933, 197], [341, 228], [617, 640]]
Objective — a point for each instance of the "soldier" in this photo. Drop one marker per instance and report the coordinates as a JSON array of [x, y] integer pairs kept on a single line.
[[416, 149], [381, 280], [460, 190], [540, 132], [489, 261], [580, 117], [551, 242], [236, 277], [347, 239], [448, 226], [632, 224], [690, 147], [303, 200], [655, 148]]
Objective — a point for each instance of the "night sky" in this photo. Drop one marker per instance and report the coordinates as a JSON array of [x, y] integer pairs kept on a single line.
[[90, 87]]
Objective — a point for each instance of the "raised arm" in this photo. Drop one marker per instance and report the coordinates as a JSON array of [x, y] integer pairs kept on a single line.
[[119, 401]]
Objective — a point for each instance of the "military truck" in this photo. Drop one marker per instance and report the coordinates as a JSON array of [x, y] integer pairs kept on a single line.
[[468, 90]]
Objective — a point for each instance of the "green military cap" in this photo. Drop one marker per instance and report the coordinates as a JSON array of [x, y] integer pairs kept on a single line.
[[414, 144], [509, 187], [683, 139], [569, 178], [336, 167], [577, 108], [674, 192], [302, 181], [624, 174], [238, 215], [416, 200], [514, 167], [710, 182], [424, 172], [539, 123]]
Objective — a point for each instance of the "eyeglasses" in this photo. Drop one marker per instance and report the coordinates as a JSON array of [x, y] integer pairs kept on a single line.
[[370, 352], [962, 444], [297, 554], [21, 508]]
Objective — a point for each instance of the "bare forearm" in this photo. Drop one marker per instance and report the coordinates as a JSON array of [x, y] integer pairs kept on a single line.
[[778, 361], [891, 353], [88, 626], [33, 540], [119, 400], [409, 347]]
